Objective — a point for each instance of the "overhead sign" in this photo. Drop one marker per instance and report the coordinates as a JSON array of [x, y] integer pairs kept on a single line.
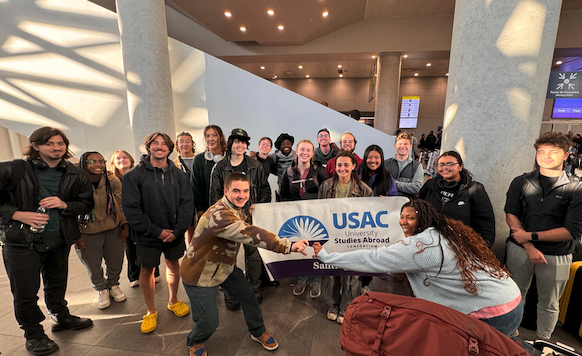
[[338, 224], [409, 107], [565, 85]]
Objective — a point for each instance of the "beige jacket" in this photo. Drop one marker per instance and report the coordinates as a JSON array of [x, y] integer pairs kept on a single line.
[[104, 222]]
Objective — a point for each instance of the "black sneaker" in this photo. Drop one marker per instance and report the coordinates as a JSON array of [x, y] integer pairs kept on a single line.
[[71, 322], [231, 304], [42, 346], [258, 294]]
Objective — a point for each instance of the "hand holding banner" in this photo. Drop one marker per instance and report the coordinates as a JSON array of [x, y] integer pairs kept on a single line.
[[338, 224]]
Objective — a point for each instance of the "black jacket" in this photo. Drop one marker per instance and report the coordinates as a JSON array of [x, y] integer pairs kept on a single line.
[[559, 207], [74, 189], [471, 205], [291, 192], [154, 199], [260, 188]]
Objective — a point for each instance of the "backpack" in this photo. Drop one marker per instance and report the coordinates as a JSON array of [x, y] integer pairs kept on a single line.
[[290, 177], [395, 325]]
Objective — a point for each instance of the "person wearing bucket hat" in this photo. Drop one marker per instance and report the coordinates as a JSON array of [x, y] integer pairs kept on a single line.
[[238, 161], [283, 156]]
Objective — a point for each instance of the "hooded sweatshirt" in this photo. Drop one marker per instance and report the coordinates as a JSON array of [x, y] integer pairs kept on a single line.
[[154, 199]]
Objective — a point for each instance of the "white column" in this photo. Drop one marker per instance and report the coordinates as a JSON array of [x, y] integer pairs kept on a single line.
[[387, 89], [501, 55], [146, 62]]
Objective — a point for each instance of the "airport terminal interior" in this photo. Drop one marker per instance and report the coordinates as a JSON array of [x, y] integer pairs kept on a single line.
[[109, 72]]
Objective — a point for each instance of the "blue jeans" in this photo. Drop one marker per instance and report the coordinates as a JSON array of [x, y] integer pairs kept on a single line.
[[509, 322], [205, 313], [313, 278]]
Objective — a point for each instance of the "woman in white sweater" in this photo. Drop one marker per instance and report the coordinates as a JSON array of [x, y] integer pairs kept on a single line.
[[446, 262]]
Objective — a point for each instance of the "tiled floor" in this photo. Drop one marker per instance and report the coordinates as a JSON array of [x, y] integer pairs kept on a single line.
[[298, 323]]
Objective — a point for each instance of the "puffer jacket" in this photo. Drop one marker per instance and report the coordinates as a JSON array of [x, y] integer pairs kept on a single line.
[[327, 190], [471, 205], [260, 188], [211, 256], [74, 189]]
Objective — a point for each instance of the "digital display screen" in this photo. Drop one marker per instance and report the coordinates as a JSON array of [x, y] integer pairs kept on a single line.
[[408, 123], [567, 109]]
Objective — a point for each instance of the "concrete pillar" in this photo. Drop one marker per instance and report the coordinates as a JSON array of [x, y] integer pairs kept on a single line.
[[146, 62], [501, 55], [387, 89]]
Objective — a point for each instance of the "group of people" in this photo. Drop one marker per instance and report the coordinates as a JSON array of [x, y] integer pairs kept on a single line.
[[199, 207]]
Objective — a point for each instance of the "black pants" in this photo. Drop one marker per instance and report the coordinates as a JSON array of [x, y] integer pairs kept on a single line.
[[24, 267]]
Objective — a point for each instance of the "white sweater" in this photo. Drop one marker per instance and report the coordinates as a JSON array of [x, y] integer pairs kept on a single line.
[[446, 288]]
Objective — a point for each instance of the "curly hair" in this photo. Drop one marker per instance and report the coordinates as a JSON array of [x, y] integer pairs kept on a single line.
[[469, 247], [556, 139]]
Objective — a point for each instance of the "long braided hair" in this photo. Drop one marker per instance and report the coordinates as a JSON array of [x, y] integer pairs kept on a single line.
[[110, 207], [469, 247]]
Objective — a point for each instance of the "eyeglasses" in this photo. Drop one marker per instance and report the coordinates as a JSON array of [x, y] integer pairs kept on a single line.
[[449, 165], [92, 161], [322, 135], [348, 141]]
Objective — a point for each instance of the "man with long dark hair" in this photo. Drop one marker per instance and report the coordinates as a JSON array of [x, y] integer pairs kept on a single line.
[[36, 243]]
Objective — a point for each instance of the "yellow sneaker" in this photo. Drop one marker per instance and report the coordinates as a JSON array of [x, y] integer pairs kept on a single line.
[[180, 309], [149, 323]]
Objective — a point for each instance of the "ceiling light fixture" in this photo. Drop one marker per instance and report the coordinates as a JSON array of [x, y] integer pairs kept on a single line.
[[262, 67], [373, 57], [405, 56], [325, 13], [307, 76], [447, 74], [271, 12], [559, 62], [428, 64], [341, 75], [339, 65], [300, 66], [281, 27], [416, 74], [227, 14], [243, 29]]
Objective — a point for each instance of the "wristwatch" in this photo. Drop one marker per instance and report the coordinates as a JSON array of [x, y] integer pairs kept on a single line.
[[534, 236]]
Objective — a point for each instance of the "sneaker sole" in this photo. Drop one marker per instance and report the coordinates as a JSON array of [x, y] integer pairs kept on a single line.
[[47, 352], [119, 300], [315, 296], [265, 346], [57, 328], [105, 306]]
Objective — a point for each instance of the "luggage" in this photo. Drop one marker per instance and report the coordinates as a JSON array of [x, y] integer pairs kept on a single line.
[[570, 307], [394, 325]]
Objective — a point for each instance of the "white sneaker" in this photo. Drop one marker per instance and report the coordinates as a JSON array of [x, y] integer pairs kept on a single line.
[[134, 283], [117, 294], [102, 301], [157, 279]]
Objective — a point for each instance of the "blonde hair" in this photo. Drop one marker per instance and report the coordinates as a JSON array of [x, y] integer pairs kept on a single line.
[[312, 159]]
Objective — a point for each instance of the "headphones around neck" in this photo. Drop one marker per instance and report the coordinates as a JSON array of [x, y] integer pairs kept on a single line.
[[446, 185], [42, 165], [212, 157]]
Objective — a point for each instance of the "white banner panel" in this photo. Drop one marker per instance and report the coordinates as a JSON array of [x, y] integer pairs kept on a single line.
[[341, 225]]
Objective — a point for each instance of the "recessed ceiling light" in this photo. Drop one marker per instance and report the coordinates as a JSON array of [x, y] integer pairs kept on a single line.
[[339, 65], [271, 12], [341, 75], [405, 56], [373, 57], [559, 62], [307, 76], [262, 67], [243, 29], [325, 13], [447, 74], [275, 77], [428, 64], [281, 27], [227, 14], [416, 74], [300, 66]]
